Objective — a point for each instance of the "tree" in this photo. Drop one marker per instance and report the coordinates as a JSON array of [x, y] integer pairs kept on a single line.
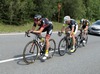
[[46, 7], [74, 8], [92, 9], [16, 11]]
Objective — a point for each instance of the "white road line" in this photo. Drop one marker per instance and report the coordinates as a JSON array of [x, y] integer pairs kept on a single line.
[[12, 59], [12, 34]]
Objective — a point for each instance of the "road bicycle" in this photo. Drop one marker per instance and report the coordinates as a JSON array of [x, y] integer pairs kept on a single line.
[[66, 43], [36, 48], [82, 38]]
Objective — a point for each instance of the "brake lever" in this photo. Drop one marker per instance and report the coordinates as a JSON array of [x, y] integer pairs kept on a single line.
[[27, 34]]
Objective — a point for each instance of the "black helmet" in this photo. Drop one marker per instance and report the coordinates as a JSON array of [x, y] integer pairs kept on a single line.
[[37, 17]]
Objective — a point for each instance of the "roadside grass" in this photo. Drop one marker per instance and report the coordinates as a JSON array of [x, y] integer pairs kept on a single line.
[[4, 28]]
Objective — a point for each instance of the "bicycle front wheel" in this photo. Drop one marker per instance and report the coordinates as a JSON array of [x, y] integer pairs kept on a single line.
[[52, 47], [30, 52], [62, 47]]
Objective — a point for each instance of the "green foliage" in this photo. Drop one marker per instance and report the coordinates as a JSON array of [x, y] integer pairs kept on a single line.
[[16, 11], [46, 7], [92, 9], [74, 8], [21, 11]]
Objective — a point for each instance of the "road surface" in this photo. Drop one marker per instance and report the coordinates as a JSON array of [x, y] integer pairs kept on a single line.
[[85, 60]]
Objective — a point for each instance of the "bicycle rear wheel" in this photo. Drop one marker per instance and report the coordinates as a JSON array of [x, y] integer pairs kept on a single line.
[[62, 47], [30, 52], [79, 41], [52, 47]]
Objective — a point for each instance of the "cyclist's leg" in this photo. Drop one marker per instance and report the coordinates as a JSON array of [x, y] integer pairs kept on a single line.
[[47, 44], [85, 33], [49, 32], [73, 38]]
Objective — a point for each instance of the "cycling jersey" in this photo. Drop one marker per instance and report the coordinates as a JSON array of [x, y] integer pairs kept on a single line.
[[46, 24], [72, 24], [85, 23]]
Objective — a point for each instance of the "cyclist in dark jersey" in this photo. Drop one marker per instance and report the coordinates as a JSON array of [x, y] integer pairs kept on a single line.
[[72, 26], [44, 26], [84, 24], [84, 27]]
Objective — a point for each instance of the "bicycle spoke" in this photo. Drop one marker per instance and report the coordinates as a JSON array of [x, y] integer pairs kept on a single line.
[[30, 52], [62, 47], [52, 47]]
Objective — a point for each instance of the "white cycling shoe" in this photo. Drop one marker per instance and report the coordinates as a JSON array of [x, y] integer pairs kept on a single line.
[[45, 57], [73, 49]]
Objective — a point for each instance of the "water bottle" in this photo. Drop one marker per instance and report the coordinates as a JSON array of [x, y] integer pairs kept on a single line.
[[41, 44]]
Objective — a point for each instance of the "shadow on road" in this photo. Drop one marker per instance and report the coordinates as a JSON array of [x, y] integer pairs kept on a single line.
[[20, 60]]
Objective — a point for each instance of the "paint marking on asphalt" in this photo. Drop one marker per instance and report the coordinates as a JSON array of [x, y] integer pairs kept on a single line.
[[13, 59], [12, 34]]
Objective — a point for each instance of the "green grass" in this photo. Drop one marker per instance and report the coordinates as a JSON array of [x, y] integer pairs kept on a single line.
[[4, 28], [13, 28]]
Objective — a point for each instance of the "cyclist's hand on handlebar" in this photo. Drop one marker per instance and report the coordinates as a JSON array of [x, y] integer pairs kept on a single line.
[[27, 33], [59, 33]]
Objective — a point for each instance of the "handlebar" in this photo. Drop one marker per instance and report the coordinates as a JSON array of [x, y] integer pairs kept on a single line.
[[60, 33], [27, 34], [37, 35]]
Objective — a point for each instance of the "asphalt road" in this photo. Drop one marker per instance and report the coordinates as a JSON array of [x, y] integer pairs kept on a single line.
[[85, 60]]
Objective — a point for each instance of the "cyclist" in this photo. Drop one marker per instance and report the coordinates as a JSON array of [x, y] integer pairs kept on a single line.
[[44, 26], [72, 27], [84, 26]]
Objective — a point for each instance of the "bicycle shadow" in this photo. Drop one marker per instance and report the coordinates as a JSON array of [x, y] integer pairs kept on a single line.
[[19, 59]]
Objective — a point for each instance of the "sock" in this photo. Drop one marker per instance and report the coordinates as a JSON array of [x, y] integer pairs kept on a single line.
[[46, 52]]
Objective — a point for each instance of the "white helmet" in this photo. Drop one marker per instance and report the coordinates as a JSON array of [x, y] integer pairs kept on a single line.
[[66, 18], [81, 21]]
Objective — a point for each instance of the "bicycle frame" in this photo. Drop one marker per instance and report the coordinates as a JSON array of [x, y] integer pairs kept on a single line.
[[37, 38], [82, 36], [69, 44]]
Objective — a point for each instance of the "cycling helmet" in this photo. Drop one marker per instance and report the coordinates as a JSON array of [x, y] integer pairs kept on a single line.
[[66, 18], [82, 20], [37, 17]]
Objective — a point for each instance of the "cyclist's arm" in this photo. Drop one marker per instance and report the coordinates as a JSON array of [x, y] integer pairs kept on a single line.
[[86, 27], [31, 30], [63, 28], [39, 31]]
